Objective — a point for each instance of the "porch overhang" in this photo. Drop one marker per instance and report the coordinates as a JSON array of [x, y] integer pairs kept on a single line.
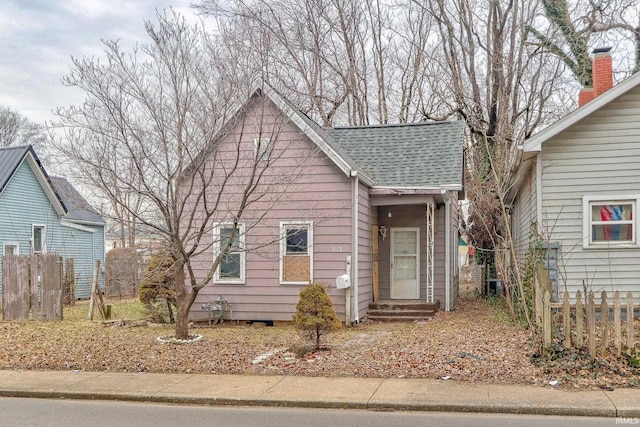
[[394, 196]]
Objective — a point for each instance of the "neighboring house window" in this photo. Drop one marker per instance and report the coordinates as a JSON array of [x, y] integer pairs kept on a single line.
[[609, 221], [296, 252], [231, 268], [11, 248], [262, 148], [38, 238]]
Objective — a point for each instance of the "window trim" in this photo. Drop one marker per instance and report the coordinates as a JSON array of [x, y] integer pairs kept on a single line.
[[265, 148], [14, 244], [283, 249], [43, 236], [240, 239], [588, 201]]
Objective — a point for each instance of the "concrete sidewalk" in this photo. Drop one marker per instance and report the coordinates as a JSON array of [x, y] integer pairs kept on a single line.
[[320, 392]]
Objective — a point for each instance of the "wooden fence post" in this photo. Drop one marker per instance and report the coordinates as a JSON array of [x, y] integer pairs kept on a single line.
[[538, 295], [579, 321], [617, 323], [604, 324], [95, 288], [547, 327], [566, 320], [591, 325]]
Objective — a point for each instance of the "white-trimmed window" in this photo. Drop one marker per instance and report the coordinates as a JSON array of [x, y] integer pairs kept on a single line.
[[262, 148], [11, 248], [296, 253], [610, 221], [38, 238], [232, 267]]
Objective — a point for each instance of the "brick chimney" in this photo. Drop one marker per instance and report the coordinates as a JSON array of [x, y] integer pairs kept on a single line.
[[602, 76]]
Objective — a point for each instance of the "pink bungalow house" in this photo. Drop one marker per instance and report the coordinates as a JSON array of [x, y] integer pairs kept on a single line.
[[377, 205]]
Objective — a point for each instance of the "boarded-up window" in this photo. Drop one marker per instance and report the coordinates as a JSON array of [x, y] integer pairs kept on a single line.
[[296, 253]]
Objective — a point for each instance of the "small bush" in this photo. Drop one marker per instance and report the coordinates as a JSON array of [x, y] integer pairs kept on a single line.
[[156, 290], [315, 315]]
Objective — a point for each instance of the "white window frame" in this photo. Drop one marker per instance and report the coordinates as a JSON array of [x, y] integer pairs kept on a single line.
[[242, 252], [16, 245], [262, 154], [43, 236], [589, 201], [283, 248]]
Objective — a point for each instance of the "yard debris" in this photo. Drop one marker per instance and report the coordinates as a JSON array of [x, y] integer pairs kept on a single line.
[[267, 355], [471, 344]]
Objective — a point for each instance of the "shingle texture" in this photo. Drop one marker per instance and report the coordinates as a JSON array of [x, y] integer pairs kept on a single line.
[[78, 209], [400, 155], [407, 155], [10, 158]]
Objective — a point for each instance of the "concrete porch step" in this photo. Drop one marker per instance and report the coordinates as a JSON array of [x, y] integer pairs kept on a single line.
[[401, 310]]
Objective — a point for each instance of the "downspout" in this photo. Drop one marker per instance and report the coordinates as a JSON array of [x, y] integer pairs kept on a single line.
[[447, 250], [355, 270], [539, 192]]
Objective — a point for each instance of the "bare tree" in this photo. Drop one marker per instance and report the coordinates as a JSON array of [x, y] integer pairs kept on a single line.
[[344, 61], [15, 129], [573, 27], [502, 87], [150, 136]]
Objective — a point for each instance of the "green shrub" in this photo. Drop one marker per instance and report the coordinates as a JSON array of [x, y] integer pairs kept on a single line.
[[315, 315], [156, 290]]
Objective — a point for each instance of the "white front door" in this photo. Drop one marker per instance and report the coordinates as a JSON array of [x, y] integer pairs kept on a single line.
[[405, 263]]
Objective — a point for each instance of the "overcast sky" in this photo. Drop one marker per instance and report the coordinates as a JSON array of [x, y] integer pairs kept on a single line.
[[39, 37]]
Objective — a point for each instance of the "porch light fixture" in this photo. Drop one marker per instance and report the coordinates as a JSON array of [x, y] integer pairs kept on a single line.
[[383, 232]]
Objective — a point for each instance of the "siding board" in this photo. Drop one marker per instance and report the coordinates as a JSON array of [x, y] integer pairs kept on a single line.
[[598, 156]]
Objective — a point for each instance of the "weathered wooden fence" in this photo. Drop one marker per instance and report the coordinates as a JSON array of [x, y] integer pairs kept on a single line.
[[32, 285], [600, 324], [122, 272], [69, 283]]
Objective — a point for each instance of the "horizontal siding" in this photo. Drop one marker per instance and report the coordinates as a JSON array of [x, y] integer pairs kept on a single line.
[[413, 216], [23, 203], [365, 254], [304, 185], [598, 156], [524, 216]]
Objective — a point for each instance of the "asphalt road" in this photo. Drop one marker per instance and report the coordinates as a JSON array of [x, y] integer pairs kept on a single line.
[[18, 412]]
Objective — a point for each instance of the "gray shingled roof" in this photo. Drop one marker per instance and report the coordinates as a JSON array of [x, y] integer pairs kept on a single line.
[[399, 155], [405, 155], [10, 158], [78, 209]]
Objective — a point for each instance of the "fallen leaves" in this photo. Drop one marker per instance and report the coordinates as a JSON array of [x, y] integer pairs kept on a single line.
[[469, 344]]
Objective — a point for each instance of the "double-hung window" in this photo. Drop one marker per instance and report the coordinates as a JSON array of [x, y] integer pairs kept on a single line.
[[296, 252], [229, 242], [38, 239], [610, 221]]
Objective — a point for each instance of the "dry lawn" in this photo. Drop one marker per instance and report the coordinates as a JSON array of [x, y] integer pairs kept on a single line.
[[475, 343]]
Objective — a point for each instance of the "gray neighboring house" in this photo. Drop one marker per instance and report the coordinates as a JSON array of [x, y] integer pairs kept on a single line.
[[579, 186], [39, 214]]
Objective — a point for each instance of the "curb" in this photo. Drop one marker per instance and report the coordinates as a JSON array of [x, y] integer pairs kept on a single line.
[[521, 409]]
